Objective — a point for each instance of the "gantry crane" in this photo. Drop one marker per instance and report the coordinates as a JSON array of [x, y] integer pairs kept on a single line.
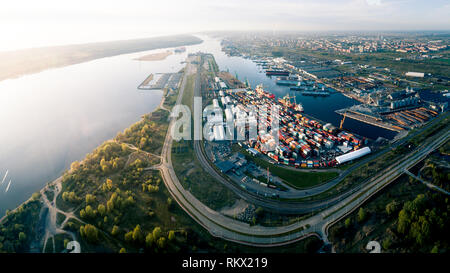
[[342, 121]]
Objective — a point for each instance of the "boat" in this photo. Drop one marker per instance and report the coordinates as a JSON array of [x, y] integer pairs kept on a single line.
[[260, 91], [284, 80], [180, 49], [298, 106], [277, 72], [4, 177], [7, 188], [286, 101], [315, 93]]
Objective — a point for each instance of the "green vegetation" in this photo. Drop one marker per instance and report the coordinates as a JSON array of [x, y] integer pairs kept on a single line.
[[404, 217], [188, 93], [147, 134], [195, 179], [19, 229], [436, 170]]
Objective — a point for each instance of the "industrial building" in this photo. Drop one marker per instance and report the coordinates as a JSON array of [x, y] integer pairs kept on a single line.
[[404, 102], [415, 74], [353, 155]]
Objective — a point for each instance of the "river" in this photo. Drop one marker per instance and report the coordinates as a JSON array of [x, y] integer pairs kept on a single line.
[[52, 118]]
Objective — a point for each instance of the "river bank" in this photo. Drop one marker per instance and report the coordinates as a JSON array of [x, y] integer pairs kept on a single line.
[[28, 61]]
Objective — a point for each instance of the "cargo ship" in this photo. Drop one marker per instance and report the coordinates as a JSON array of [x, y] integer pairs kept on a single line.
[[180, 49], [315, 93], [277, 72], [289, 81], [260, 91], [286, 101]]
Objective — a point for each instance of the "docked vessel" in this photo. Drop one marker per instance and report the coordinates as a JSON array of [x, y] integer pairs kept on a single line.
[[260, 91], [286, 101], [289, 81], [277, 72], [315, 93], [180, 49]]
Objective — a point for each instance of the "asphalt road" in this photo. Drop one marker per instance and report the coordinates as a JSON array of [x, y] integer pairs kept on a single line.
[[230, 229]]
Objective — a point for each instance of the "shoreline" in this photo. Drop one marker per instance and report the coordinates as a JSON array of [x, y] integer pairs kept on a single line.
[[154, 56], [59, 178], [45, 58]]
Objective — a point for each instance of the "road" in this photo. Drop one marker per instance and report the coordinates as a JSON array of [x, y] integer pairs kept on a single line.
[[292, 206], [230, 229]]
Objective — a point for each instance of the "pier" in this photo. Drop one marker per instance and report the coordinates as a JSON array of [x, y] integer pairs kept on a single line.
[[368, 119]]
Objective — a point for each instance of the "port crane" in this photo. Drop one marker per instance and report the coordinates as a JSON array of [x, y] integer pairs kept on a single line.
[[342, 121]]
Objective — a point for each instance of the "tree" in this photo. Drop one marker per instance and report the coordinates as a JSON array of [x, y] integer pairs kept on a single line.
[[348, 222], [115, 230], [82, 213], [392, 207], [104, 165], [90, 232], [90, 213], [152, 188], [361, 215], [171, 235], [35, 196], [123, 250], [143, 142], [161, 242], [403, 221], [109, 184], [138, 237], [101, 209], [74, 166], [149, 240], [90, 199], [435, 249], [387, 243], [156, 233], [66, 241], [129, 201], [22, 237], [124, 147], [129, 236]]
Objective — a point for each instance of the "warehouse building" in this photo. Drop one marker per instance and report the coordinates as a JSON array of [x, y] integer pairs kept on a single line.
[[353, 155]]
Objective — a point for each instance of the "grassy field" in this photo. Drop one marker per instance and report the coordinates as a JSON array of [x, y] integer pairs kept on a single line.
[[195, 179], [188, 94]]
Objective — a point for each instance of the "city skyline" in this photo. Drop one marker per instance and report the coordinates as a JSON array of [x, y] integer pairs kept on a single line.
[[26, 24]]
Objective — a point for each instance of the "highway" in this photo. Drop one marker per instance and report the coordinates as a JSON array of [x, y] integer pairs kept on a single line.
[[230, 229], [293, 206]]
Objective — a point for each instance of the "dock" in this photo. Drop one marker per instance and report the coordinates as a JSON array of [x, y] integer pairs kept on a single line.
[[369, 120], [160, 81]]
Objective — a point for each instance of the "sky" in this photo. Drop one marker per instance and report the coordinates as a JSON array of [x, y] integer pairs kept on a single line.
[[31, 23]]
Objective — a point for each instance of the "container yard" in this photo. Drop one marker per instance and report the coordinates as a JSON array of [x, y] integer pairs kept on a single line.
[[304, 142]]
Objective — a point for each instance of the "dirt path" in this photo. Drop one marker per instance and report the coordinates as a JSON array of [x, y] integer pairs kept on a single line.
[[51, 226]]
